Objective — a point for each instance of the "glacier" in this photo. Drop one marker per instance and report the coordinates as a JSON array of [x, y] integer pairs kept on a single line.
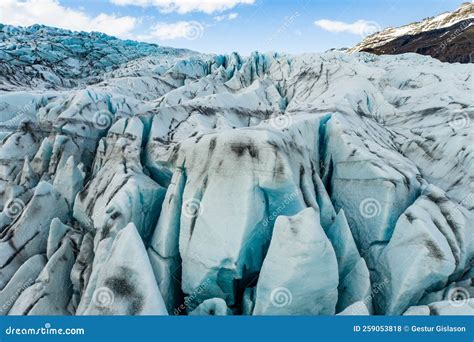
[[138, 179]]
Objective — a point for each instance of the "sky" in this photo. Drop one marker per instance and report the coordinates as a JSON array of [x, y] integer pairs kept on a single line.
[[224, 26]]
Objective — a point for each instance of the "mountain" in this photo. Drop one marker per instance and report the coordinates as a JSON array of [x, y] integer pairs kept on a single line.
[[169, 182], [448, 37]]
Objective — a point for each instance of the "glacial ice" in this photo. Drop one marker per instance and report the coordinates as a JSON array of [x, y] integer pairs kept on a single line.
[[299, 274], [443, 308], [354, 277], [27, 235], [355, 309], [122, 281], [212, 307], [50, 293], [22, 279], [155, 180], [430, 246]]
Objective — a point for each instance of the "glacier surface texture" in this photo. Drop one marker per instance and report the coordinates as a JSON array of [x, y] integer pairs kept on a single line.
[[137, 179]]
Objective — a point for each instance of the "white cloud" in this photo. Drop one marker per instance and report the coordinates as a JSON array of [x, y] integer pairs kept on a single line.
[[52, 13], [230, 16], [186, 6], [190, 30], [360, 27]]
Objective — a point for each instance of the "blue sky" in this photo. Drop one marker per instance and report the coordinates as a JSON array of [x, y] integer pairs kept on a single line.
[[223, 26]]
